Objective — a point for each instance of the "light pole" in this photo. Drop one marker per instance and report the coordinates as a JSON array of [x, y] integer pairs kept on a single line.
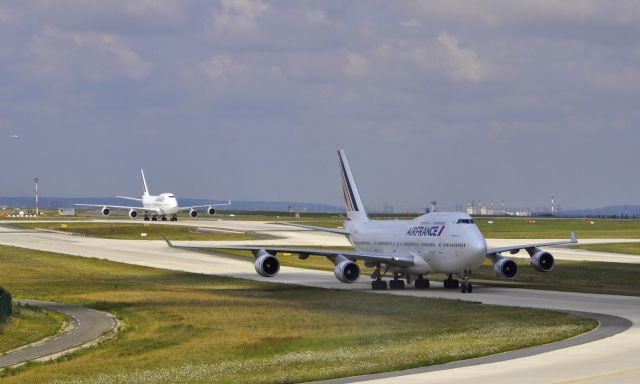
[[35, 181]]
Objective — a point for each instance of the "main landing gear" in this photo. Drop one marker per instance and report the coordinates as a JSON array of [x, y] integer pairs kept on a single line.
[[465, 286], [450, 282], [421, 283], [397, 282], [378, 284], [147, 217]]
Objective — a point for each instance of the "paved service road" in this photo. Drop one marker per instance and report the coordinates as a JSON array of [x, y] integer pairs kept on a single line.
[[88, 325], [614, 358]]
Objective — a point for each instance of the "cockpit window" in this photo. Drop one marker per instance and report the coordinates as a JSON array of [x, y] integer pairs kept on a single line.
[[465, 221], [172, 196]]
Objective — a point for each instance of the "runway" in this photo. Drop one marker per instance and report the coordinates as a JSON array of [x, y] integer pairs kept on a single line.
[[602, 361], [88, 325], [280, 234]]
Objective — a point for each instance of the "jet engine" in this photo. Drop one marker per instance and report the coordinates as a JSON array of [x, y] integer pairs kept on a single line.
[[347, 271], [105, 211], [133, 214], [211, 211], [193, 213], [505, 268], [267, 265], [542, 261]]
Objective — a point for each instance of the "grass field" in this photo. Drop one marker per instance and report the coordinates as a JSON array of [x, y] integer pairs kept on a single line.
[[628, 248], [27, 325], [183, 327], [540, 228], [572, 276], [153, 231]]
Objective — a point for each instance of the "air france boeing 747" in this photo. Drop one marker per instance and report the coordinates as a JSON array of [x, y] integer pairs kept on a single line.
[[439, 242]]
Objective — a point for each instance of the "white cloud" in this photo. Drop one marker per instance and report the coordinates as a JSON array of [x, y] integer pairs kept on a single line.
[[441, 56], [89, 55], [9, 16], [221, 67], [357, 65], [464, 63], [413, 23], [239, 16]]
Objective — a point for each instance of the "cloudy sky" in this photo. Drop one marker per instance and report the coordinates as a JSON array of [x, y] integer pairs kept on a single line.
[[249, 99]]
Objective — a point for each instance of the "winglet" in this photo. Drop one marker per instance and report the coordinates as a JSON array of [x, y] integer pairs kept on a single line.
[[169, 243], [574, 238]]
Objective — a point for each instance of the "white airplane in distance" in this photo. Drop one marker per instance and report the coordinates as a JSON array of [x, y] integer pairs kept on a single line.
[[439, 242], [155, 206]]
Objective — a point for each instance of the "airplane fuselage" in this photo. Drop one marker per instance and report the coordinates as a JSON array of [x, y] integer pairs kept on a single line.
[[439, 242], [163, 204]]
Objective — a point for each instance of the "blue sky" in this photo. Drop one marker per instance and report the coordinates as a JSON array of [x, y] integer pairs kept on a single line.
[[246, 99]]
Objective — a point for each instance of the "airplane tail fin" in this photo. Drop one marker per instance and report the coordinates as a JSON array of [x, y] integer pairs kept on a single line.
[[144, 183], [352, 201]]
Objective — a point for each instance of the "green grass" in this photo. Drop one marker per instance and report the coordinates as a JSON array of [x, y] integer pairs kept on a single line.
[[124, 231], [28, 325], [183, 327], [544, 228], [627, 248], [570, 276]]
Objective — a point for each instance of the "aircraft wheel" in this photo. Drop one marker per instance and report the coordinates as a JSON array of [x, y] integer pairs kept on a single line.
[[379, 285], [469, 288], [463, 288], [396, 284]]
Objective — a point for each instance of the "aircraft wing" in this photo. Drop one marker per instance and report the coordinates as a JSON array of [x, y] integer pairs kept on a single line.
[[515, 248], [401, 260], [129, 198], [204, 206], [142, 209], [314, 228]]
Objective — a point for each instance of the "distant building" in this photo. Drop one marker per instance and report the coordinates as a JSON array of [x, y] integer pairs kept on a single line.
[[486, 211]]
